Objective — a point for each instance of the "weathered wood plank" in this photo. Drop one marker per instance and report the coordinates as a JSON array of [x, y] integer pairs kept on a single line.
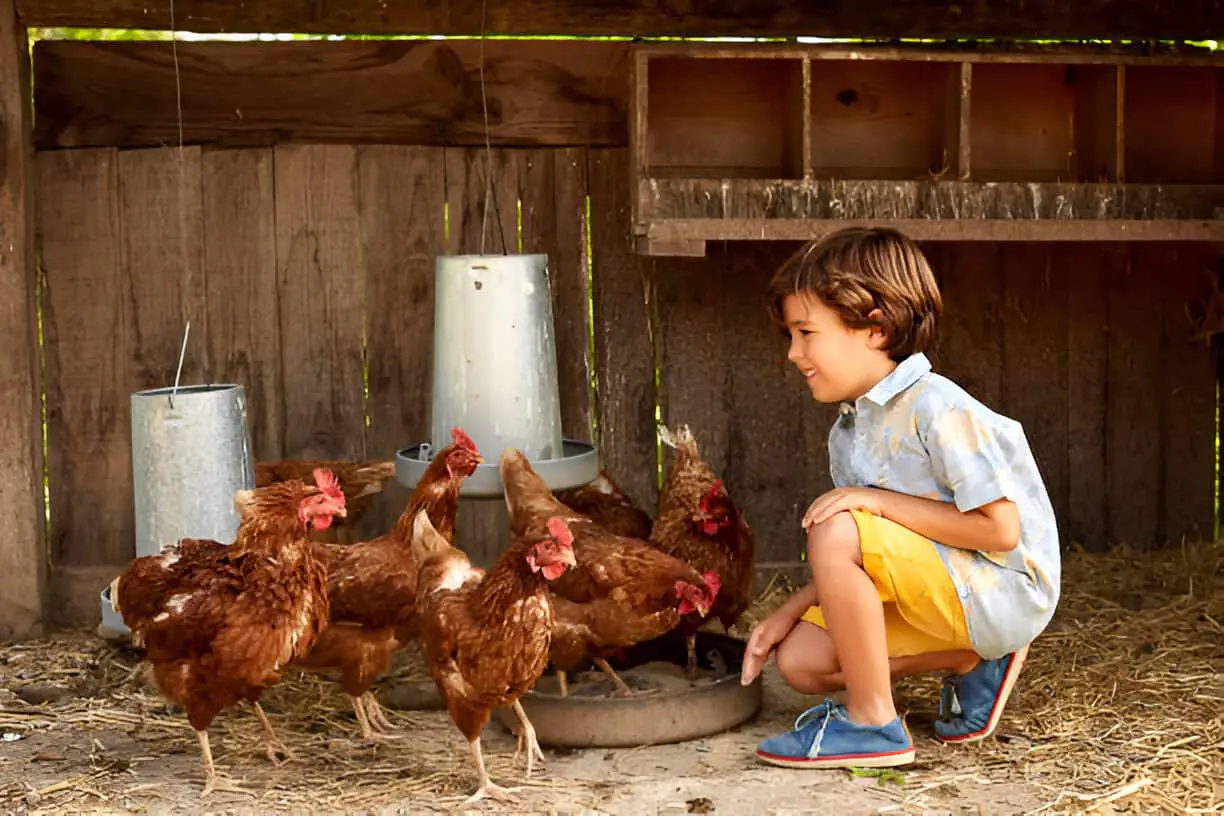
[[86, 319], [260, 93], [402, 192], [971, 340], [160, 200], [693, 366], [1134, 459], [244, 344], [764, 413], [320, 282], [624, 350], [553, 201], [1089, 270], [968, 201], [1188, 385], [482, 526], [22, 549], [1034, 318], [1019, 19]]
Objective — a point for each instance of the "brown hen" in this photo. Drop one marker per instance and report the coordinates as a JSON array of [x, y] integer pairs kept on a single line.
[[219, 623], [698, 523], [360, 481], [486, 637], [623, 590]]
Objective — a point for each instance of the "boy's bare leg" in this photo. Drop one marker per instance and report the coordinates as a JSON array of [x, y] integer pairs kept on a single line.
[[807, 661], [855, 616]]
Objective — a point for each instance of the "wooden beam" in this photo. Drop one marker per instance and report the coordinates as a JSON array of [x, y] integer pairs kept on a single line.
[[22, 553], [685, 237], [390, 92], [836, 199], [1098, 19]]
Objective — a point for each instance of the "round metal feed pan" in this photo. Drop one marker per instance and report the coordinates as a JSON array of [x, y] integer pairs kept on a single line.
[[112, 626], [665, 715], [578, 465]]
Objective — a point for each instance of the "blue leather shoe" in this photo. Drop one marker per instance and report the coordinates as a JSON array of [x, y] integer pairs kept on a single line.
[[824, 737], [970, 705]]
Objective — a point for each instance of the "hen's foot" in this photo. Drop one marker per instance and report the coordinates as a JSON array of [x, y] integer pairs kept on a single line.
[[490, 791], [526, 736], [277, 751], [378, 719], [214, 783]]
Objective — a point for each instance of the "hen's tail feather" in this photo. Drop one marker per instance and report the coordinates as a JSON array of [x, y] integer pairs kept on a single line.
[[682, 436]]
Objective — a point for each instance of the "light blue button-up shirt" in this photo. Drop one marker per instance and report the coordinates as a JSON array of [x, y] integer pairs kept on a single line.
[[918, 432]]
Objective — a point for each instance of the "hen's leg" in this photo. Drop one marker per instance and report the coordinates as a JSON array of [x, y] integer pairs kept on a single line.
[[561, 679], [487, 788], [691, 643], [212, 782], [527, 733], [277, 751], [375, 712], [370, 727], [621, 686]]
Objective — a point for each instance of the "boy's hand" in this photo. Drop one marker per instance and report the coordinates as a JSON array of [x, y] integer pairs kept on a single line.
[[870, 499], [765, 636]]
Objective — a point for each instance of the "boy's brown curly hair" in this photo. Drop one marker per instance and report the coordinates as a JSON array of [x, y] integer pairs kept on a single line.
[[859, 269]]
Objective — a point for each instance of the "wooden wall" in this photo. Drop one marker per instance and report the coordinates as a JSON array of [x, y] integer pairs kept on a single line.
[[285, 257]]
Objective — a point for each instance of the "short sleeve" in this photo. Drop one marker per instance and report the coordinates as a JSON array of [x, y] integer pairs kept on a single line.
[[968, 456]]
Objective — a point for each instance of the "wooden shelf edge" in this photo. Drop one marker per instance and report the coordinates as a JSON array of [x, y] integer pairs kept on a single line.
[[686, 237]]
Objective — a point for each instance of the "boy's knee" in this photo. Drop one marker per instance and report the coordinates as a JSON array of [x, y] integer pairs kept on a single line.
[[836, 538], [805, 665]]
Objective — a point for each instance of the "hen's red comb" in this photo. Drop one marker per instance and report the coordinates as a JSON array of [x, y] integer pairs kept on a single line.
[[461, 439], [326, 481], [558, 529], [714, 488]]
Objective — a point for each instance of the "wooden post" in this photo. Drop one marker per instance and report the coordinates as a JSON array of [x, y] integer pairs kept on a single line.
[[22, 554]]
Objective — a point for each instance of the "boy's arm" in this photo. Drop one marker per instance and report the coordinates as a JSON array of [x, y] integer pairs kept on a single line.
[[993, 527]]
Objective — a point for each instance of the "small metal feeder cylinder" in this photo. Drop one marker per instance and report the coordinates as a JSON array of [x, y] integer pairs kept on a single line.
[[190, 453], [495, 373]]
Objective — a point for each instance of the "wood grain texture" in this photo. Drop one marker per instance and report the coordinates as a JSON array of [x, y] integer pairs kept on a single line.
[[402, 194], [22, 548], [622, 298], [260, 93], [1187, 386], [1133, 457], [243, 310], [1090, 271], [86, 318], [320, 285], [1018, 19]]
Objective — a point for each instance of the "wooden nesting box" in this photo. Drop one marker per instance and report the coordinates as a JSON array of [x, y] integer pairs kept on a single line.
[[760, 142]]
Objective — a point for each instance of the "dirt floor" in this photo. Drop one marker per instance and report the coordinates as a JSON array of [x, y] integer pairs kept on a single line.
[[1121, 710]]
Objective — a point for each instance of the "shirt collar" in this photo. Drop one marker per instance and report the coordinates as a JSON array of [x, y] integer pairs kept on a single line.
[[908, 372]]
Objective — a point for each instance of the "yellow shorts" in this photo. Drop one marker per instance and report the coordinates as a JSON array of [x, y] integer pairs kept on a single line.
[[922, 612]]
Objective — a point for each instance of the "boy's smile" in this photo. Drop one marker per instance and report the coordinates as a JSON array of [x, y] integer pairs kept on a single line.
[[838, 363]]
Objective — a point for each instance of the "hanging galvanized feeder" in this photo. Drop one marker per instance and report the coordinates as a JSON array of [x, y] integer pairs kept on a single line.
[[191, 451], [495, 374]]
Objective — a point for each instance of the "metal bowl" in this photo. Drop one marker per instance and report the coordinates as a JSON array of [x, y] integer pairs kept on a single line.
[[577, 465], [657, 717]]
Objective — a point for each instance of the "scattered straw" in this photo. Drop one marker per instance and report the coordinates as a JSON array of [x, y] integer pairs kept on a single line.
[[1119, 710]]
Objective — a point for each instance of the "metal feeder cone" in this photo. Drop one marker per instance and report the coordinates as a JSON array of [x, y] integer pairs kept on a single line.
[[189, 456], [495, 374]]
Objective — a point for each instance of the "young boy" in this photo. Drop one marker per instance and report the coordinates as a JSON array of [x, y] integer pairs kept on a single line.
[[937, 548]]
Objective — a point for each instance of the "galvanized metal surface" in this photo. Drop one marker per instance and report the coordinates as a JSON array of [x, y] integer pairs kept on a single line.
[[495, 359], [187, 462], [578, 466], [654, 718]]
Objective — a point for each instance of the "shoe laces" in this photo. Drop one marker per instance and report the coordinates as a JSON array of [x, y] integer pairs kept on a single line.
[[826, 711]]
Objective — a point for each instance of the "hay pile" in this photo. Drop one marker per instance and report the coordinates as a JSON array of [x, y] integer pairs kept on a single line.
[[1120, 710]]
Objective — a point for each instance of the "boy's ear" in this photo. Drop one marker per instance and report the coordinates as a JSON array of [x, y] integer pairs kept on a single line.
[[878, 336]]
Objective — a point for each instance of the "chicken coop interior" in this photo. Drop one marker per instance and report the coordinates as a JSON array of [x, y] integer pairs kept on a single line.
[[290, 199]]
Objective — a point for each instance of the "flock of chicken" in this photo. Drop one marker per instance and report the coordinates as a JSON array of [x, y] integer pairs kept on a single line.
[[586, 574]]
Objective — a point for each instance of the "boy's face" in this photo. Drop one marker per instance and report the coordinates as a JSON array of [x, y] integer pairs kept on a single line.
[[838, 363]]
